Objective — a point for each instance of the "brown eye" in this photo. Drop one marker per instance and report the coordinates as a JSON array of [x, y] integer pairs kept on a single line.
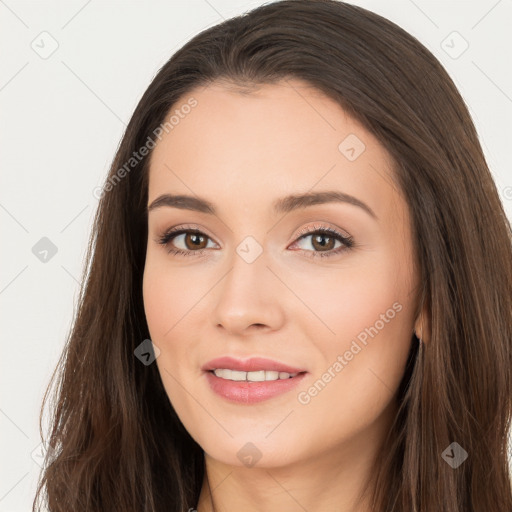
[[323, 242], [195, 241]]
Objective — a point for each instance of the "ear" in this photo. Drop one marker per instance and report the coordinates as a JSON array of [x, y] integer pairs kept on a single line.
[[422, 326]]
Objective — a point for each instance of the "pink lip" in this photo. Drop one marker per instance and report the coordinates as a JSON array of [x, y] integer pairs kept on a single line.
[[253, 364], [244, 392]]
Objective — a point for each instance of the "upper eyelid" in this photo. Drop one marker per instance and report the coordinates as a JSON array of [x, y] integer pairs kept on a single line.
[[303, 231], [322, 228], [180, 230]]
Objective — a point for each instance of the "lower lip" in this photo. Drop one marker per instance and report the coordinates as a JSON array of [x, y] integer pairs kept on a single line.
[[244, 392]]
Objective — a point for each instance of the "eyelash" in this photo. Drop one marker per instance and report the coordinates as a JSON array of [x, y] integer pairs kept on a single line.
[[347, 241]]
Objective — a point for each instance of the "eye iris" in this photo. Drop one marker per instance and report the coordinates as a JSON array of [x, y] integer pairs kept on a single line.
[[196, 240], [324, 245]]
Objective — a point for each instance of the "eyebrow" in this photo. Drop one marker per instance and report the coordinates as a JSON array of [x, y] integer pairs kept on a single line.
[[283, 205]]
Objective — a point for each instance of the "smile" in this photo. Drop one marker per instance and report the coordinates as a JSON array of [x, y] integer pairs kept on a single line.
[[258, 376]]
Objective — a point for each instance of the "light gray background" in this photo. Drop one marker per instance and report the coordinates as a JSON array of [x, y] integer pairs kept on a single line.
[[63, 117]]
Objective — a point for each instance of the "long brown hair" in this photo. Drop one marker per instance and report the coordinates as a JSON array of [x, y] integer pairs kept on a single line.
[[115, 441]]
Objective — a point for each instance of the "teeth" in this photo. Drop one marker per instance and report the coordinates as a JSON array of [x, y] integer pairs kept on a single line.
[[258, 376]]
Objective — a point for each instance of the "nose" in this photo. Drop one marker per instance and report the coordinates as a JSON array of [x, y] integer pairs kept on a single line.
[[249, 298]]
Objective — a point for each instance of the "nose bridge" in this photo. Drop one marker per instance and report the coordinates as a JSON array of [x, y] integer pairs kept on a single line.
[[248, 294]]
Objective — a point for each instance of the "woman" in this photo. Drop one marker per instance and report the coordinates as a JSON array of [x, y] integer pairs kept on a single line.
[[298, 291]]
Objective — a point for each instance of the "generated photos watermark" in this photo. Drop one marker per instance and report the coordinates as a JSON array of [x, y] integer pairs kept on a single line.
[[360, 342], [137, 156]]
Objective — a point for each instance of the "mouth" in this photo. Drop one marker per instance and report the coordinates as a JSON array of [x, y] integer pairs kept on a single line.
[[252, 380], [256, 376]]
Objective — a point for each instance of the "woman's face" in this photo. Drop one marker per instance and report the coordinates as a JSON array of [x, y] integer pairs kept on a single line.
[[265, 174]]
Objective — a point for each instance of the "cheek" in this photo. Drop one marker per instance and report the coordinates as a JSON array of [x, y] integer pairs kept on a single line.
[[168, 294], [158, 299], [163, 300], [370, 316], [172, 304], [350, 301]]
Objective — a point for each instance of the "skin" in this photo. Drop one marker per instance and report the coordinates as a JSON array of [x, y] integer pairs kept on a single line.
[[241, 152]]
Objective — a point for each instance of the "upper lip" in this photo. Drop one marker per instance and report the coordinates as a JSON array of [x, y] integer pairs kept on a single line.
[[249, 365]]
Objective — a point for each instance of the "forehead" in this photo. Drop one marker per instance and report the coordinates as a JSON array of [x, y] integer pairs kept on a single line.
[[249, 145]]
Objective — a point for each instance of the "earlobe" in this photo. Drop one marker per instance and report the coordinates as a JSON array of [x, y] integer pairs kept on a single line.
[[422, 328]]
